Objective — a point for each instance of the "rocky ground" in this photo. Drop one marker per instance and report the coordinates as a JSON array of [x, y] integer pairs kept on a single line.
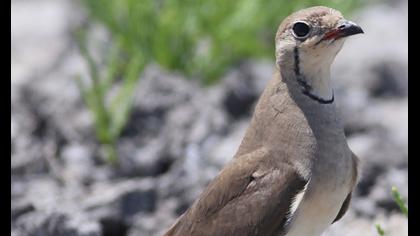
[[180, 134]]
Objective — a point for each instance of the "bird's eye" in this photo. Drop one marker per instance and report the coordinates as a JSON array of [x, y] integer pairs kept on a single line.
[[300, 29]]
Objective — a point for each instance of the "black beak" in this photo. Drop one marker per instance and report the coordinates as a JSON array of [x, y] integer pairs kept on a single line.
[[345, 29], [349, 28]]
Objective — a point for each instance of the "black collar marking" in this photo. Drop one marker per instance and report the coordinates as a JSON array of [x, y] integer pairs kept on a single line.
[[306, 88]]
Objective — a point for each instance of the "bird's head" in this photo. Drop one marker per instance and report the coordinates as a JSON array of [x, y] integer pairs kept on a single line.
[[308, 41], [316, 31]]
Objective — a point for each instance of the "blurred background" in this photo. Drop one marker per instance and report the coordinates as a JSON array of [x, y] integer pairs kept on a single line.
[[123, 110]]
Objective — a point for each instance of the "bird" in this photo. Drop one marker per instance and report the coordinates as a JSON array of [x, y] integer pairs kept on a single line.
[[294, 172]]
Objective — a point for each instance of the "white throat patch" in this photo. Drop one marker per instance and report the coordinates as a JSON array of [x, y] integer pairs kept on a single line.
[[315, 64]]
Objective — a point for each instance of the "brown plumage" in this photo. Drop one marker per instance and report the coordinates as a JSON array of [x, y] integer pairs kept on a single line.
[[293, 173]]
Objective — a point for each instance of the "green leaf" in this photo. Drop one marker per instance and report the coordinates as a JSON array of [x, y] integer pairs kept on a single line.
[[380, 231], [401, 203], [122, 104]]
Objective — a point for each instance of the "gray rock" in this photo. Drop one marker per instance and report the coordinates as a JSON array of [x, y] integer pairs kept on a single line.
[[159, 89], [225, 148], [143, 160], [352, 225], [243, 85], [46, 104], [56, 224], [175, 107], [20, 208], [381, 193], [364, 207], [121, 199], [155, 223], [77, 162]]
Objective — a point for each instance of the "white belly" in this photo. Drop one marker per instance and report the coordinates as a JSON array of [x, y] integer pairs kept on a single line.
[[321, 202], [314, 215]]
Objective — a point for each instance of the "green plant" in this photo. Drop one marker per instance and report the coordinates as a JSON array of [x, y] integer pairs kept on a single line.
[[379, 229], [110, 115], [401, 204]]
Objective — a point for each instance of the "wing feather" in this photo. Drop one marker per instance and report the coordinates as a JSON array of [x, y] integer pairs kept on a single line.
[[250, 196]]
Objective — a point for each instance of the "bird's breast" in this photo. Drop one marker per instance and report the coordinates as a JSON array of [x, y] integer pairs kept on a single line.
[[330, 183]]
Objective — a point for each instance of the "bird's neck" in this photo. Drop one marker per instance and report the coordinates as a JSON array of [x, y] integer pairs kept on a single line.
[[320, 117], [283, 106], [311, 73], [315, 79]]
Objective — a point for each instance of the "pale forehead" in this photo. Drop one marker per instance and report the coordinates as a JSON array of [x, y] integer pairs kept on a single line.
[[324, 17]]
